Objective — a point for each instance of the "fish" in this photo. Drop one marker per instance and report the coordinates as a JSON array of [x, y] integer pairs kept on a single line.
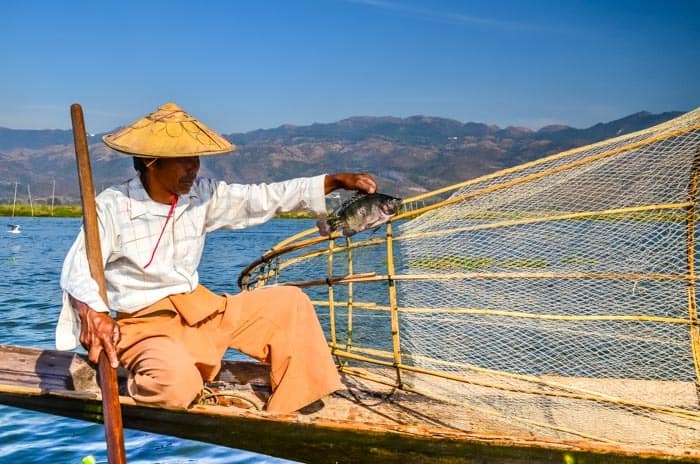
[[361, 212]]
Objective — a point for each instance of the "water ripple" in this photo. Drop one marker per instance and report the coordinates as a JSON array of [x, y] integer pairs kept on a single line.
[[30, 297]]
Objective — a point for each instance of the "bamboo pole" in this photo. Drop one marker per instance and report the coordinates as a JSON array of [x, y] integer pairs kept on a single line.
[[372, 277], [515, 314], [289, 244], [608, 214], [569, 153], [53, 195], [393, 303], [31, 204], [114, 432], [690, 262], [331, 296], [14, 201], [348, 341], [540, 174], [559, 390]]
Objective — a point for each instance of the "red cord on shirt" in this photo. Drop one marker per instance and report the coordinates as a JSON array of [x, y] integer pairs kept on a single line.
[[173, 202]]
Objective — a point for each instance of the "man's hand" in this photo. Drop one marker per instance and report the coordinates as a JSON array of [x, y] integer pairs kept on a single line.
[[98, 331], [350, 181]]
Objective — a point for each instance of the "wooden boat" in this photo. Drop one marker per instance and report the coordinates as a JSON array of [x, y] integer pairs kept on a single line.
[[366, 423], [543, 313]]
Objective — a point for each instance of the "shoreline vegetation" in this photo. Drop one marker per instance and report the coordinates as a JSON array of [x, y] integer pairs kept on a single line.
[[42, 210]]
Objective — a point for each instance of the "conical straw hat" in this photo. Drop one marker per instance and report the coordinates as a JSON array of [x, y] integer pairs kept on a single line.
[[169, 132]]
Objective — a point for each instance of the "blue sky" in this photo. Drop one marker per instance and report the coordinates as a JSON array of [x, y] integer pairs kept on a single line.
[[243, 65]]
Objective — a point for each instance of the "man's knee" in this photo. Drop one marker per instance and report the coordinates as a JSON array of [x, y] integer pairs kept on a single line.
[[279, 302], [174, 386], [285, 293], [183, 391]]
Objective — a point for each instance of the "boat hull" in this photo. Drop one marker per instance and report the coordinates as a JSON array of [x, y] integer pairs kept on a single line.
[[346, 430]]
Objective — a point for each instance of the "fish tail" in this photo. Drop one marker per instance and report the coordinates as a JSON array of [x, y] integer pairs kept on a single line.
[[323, 227], [327, 226]]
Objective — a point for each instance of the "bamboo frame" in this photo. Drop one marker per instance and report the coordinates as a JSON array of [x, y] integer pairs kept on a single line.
[[559, 390], [393, 303], [574, 151], [692, 290], [487, 411], [677, 211], [348, 341], [288, 246], [293, 242], [371, 306], [372, 277], [331, 297], [544, 173], [549, 218]]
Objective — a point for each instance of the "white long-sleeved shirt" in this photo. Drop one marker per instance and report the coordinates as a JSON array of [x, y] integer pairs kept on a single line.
[[130, 224]]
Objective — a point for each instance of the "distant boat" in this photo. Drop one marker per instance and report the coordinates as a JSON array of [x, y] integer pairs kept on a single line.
[[13, 228]]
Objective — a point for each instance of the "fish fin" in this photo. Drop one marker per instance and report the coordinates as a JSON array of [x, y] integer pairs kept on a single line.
[[346, 204]]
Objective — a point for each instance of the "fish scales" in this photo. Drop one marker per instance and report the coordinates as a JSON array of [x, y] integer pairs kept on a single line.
[[361, 212]]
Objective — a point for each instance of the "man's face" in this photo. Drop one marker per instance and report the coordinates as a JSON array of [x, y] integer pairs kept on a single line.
[[176, 175]]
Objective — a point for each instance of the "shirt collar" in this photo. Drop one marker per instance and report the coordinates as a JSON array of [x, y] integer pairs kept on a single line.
[[141, 203]]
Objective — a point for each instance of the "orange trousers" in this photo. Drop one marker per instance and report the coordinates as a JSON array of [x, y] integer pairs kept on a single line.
[[169, 356]]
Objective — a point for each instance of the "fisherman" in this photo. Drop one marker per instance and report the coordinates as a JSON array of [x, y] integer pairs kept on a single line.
[[170, 331]]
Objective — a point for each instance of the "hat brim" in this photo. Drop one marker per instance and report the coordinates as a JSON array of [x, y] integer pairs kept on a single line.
[[168, 132]]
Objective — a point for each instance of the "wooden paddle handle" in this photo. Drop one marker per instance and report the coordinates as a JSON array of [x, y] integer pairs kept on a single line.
[[111, 409]]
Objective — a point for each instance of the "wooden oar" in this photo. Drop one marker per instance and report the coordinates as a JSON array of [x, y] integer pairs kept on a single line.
[[111, 410]]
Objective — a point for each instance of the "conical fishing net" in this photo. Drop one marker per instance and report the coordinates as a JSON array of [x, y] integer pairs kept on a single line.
[[555, 300]]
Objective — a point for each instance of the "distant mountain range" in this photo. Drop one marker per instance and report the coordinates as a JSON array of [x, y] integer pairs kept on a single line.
[[406, 155]]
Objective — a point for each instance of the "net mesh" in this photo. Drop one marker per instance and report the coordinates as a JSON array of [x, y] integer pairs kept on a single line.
[[554, 300]]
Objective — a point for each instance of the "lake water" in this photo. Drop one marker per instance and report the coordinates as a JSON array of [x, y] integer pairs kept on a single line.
[[30, 266]]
